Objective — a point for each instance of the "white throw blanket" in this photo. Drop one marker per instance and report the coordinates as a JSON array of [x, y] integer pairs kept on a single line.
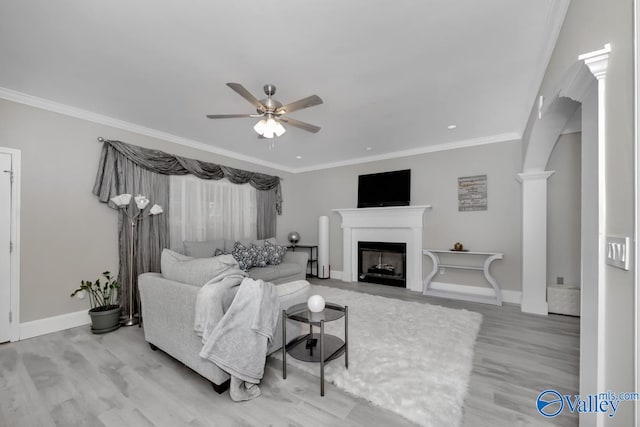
[[236, 336], [214, 298]]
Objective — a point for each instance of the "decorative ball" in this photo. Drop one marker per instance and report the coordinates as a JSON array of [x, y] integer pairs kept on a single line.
[[294, 237], [315, 303]]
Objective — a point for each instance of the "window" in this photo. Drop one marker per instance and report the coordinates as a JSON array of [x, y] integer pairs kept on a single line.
[[207, 209]]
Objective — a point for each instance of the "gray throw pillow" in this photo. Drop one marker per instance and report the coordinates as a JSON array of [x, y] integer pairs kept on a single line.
[[194, 271], [204, 249]]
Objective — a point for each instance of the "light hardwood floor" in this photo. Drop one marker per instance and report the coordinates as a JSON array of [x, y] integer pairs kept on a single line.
[[74, 378]]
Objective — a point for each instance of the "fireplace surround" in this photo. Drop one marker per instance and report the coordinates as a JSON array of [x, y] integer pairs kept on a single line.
[[400, 224]]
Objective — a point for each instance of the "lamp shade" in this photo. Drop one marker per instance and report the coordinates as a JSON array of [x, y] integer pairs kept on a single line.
[[260, 127], [141, 201], [155, 210], [279, 129], [121, 200]]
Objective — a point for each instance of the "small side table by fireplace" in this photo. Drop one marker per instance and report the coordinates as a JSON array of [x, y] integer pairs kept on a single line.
[[313, 257], [315, 347]]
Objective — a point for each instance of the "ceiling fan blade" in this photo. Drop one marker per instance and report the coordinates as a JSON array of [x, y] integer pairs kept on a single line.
[[302, 125], [232, 116], [240, 90], [307, 102]]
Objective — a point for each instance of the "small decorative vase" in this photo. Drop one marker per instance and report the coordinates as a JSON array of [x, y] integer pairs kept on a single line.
[[458, 246], [294, 237]]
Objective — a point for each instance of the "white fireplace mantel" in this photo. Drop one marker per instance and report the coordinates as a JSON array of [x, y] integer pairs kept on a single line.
[[400, 224]]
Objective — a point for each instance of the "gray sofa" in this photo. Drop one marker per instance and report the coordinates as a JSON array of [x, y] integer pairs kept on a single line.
[[168, 310], [292, 267]]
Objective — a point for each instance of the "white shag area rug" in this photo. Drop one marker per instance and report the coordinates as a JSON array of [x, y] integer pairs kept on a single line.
[[411, 358]]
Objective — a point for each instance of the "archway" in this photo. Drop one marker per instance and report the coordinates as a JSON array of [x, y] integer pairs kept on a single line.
[[583, 85]]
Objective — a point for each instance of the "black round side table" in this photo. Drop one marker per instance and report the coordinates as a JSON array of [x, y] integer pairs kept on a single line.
[[318, 346]]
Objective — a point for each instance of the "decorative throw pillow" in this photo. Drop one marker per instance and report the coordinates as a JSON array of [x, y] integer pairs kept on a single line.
[[245, 255], [275, 252], [262, 255]]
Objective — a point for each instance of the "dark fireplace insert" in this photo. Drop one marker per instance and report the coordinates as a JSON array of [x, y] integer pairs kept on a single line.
[[383, 263]]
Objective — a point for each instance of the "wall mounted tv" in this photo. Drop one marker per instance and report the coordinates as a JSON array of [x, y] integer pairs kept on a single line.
[[384, 189]]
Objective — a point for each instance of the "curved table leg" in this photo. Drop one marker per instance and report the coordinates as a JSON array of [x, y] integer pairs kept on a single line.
[[434, 271], [490, 279]]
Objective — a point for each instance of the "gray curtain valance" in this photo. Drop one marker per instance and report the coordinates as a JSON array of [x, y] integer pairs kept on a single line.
[[168, 164]]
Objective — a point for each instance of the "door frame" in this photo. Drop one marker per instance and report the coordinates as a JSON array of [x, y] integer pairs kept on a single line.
[[636, 166], [14, 257]]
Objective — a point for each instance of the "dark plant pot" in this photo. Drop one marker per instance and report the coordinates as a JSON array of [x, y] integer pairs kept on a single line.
[[105, 320]]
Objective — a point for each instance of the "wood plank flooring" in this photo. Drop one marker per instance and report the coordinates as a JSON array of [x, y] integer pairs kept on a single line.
[[75, 378]]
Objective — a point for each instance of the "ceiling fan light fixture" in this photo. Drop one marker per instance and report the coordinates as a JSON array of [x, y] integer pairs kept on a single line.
[[269, 127], [260, 127], [279, 129]]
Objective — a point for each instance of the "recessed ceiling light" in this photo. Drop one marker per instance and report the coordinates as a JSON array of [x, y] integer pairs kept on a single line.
[[369, 148], [451, 127], [298, 157]]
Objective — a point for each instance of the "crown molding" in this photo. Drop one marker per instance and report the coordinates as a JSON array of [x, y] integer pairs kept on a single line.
[[67, 110], [474, 142]]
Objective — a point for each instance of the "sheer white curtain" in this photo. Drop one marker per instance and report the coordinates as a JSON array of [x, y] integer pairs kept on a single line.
[[202, 209]]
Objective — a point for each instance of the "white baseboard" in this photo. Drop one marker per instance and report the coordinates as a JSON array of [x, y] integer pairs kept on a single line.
[[513, 297], [335, 274], [48, 325]]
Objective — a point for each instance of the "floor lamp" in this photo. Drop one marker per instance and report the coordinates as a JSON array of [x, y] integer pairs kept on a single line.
[[122, 201]]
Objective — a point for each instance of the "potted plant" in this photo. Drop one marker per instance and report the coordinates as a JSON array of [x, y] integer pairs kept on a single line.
[[103, 297]]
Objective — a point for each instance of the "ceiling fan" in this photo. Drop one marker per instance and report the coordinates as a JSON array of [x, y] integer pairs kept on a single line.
[[272, 112]]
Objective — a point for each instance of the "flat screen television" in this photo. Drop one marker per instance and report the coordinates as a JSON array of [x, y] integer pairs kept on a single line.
[[384, 189]]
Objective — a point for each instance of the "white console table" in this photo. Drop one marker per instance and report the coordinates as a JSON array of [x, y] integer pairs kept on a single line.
[[489, 257]]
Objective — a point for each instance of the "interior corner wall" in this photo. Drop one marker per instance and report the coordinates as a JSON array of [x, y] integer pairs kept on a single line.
[[66, 234], [433, 182], [588, 26], [563, 211]]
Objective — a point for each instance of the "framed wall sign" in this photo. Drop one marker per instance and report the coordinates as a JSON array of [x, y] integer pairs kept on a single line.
[[472, 193]]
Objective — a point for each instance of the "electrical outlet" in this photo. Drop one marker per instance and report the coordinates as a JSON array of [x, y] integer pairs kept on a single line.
[[441, 270], [560, 280]]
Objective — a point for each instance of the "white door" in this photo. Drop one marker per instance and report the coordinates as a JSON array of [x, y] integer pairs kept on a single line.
[[5, 239]]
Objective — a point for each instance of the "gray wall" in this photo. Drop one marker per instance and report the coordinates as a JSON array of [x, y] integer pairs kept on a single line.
[[563, 211], [66, 234], [590, 24], [434, 182]]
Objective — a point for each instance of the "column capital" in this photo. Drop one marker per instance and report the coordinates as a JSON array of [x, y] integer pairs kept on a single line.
[[597, 61], [534, 175]]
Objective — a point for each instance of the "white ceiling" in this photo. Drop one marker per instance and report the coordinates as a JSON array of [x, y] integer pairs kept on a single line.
[[393, 74]]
